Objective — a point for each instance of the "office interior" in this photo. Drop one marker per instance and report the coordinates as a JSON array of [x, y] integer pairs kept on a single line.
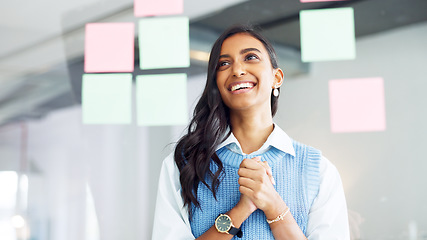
[[62, 179]]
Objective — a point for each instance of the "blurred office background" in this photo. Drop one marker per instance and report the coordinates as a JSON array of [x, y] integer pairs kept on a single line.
[[61, 179]]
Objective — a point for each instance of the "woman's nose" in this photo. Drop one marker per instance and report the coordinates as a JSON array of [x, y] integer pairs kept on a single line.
[[238, 70]]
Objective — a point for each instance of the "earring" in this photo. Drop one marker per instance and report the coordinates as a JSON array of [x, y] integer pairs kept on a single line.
[[276, 92]]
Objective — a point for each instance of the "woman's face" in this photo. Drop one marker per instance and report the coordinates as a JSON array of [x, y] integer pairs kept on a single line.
[[245, 76]]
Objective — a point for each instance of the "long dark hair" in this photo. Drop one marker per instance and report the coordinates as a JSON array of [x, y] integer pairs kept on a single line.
[[195, 150]]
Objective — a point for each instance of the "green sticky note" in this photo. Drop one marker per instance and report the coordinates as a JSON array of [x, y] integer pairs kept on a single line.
[[164, 43], [162, 99], [327, 35], [106, 98]]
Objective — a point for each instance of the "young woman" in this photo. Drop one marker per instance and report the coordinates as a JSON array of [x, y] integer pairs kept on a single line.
[[236, 173]]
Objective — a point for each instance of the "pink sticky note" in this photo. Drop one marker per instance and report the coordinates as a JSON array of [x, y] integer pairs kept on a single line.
[[305, 1], [109, 47], [143, 8], [357, 105]]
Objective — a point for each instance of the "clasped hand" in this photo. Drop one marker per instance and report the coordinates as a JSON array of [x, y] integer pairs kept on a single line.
[[256, 185]]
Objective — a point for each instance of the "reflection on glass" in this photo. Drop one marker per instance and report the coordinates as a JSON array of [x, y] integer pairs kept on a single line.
[[8, 186], [92, 227], [8, 197]]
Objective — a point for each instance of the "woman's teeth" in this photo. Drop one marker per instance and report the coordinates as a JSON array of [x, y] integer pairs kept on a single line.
[[241, 85]]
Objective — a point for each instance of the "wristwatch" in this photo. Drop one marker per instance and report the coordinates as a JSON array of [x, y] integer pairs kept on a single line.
[[224, 224]]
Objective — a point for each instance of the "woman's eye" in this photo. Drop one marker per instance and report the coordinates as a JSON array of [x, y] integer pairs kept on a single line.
[[251, 57], [222, 64]]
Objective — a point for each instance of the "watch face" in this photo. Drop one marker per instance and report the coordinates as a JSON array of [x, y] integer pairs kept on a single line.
[[223, 223]]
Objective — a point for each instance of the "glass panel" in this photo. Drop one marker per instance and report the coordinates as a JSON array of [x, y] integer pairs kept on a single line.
[[64, 179]]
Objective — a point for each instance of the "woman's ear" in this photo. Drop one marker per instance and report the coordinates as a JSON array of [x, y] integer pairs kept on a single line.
[[278, 78]]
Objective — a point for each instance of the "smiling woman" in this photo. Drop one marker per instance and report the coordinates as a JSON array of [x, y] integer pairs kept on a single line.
[[236, 173], [245, 76]]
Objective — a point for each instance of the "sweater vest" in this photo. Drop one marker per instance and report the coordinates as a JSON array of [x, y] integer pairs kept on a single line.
[[297, 181]]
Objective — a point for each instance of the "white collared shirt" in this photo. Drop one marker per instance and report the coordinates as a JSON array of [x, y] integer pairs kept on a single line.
[[327, 218]]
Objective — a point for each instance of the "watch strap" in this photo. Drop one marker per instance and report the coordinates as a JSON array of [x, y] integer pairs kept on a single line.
[[235, 231]]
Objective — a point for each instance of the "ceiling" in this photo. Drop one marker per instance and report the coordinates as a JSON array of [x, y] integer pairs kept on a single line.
[[41, 48], [280, 19]]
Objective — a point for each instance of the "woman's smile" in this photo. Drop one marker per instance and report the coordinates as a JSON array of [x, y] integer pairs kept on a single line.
[[241, 87]]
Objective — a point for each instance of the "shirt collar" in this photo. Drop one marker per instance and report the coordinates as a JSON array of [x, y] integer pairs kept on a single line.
[[278, 139]]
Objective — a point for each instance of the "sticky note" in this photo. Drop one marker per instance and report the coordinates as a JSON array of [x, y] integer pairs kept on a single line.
[[164, 43], [327, 35], [109, 47], [143, 8], [162, 99], [106, 98], [305, 1], [357, 105]]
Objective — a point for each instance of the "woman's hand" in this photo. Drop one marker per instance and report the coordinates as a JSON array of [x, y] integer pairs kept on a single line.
[[267, 169], [247, 204], [256, 183]]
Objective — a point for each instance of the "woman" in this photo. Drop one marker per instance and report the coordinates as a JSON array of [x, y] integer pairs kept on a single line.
[[236, 173]]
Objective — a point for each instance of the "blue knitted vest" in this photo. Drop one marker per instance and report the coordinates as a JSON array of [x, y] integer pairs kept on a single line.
[[297, 181]]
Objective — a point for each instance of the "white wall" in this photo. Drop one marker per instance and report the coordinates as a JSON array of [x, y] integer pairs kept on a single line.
[[383, 172]]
